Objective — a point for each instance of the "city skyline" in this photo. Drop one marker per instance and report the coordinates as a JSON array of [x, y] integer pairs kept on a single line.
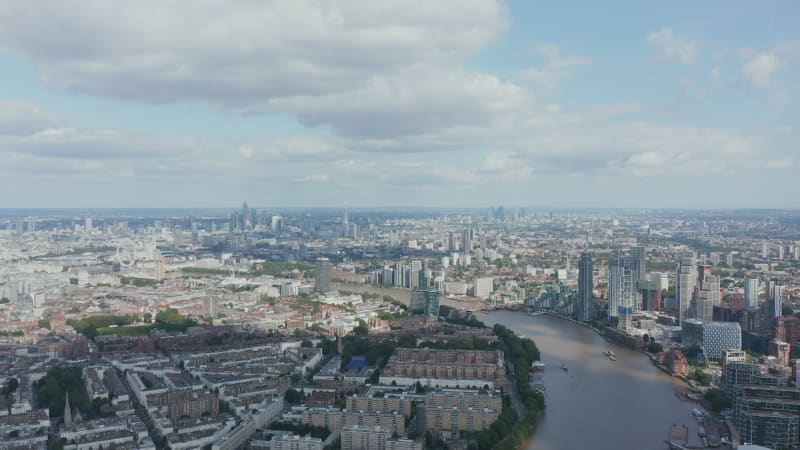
[[431, 105]]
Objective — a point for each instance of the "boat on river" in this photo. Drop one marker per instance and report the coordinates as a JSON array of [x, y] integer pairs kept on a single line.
[[611, 355], [564, 366]]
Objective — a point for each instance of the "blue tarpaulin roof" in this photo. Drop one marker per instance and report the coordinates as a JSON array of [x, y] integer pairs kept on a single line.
[[358, 362]]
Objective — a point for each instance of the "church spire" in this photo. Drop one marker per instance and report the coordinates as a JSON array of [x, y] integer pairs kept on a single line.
[[67, 411]]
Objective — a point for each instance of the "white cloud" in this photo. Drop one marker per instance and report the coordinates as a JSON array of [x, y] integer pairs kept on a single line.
[[413, 102], [300, 149], [672, 47], [556, 67], [785, 163], [240, 54], [760, 71], [22, 118]]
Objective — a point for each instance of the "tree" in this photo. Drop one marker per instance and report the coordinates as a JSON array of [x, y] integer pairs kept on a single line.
[[362, 329], [409, 341], [717, 399], [701, 377], [655, 347], [293, 396]]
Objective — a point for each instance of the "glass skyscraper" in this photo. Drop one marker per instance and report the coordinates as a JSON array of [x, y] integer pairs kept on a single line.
[[585, 287]]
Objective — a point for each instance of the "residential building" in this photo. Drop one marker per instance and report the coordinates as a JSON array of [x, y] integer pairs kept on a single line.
[[751, 290], [322, 275], [585, 287], [685, 281], [447, 368], [424, 302]]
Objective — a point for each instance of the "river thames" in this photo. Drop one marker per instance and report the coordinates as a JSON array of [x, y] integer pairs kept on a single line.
[[598, 403]]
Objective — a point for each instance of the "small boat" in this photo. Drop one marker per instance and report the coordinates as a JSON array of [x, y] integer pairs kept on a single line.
[[612, 357], [564, 366]]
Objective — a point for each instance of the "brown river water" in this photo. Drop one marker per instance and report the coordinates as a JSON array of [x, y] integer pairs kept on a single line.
[[598, 403]]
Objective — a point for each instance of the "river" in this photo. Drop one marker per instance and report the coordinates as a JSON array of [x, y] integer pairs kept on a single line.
[[598, 403]]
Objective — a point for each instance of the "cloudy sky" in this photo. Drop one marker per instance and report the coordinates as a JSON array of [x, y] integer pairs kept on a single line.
[[195, 103]]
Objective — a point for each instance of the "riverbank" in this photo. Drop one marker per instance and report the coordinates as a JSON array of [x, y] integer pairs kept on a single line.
[[628, 391], [610, 338]]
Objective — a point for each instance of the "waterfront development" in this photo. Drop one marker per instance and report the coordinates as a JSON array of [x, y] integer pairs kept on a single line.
[[598, 403], [286, 316]]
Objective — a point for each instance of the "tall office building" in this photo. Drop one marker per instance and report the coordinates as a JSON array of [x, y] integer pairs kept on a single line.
[[707, 298], [621, 290], [236, 221], [468, 240], [322, 275], [451, 242], [585, 287], [751, 290], [638, 256], [685, 280], [178, 236], [413, 275], [245, 219], [87, 224], [483, 287], [424, 302], [777, 301], [160, 271]]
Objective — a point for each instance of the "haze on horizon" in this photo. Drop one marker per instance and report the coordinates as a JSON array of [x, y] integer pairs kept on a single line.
[[450, 103]]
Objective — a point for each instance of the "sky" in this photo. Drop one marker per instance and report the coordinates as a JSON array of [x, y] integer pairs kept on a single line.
[[451, 103]]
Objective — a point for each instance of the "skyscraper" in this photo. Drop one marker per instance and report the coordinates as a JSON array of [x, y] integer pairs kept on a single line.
[[159, 270], [621, 289], [638, 256], [322, 275], [685, 280], [751, 289], [585, 287], [245, 219], [707, 298], [640, 277], [178, 236], [468, 240], [777, 301], [424, 302]]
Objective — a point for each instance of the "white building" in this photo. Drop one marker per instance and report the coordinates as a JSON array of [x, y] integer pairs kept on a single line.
[[483, 287], [751, 292], [357, 437], [719, 336], [295, 442], [777, 300]]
